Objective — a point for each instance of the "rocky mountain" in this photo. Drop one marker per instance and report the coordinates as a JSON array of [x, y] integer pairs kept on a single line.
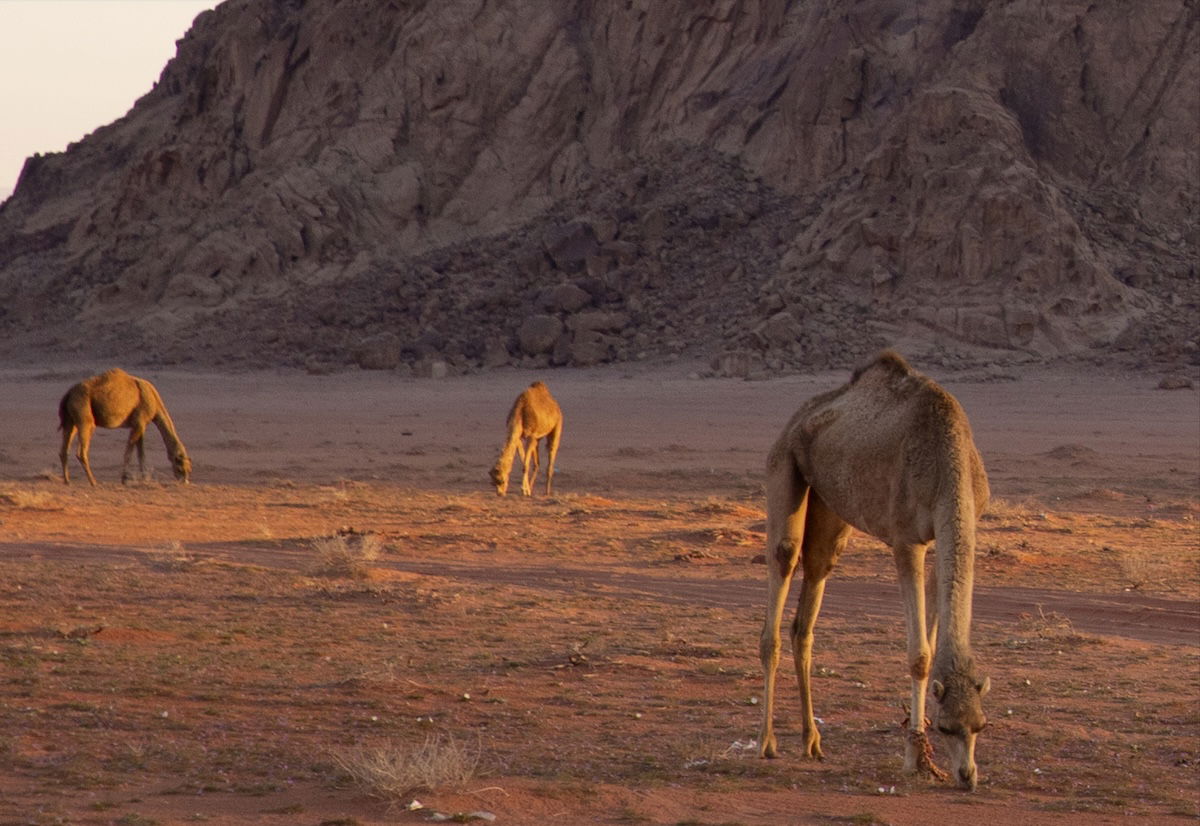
[[769, 183]]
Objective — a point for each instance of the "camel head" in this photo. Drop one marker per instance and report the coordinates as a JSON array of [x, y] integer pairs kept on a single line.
[[182, 465], [500, 479], [958, 716]]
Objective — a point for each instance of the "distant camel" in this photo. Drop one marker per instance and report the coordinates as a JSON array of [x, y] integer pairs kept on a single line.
[[116, 399], [535, 415], [891, 454]]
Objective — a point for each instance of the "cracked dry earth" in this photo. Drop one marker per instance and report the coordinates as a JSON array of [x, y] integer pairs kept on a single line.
[[183, 655]]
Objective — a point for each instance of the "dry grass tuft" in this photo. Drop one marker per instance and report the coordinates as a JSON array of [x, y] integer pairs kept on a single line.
[[999, 510], [393, 772], [173, 558], [39, 500], [1047, 625], [348, 555], [1141, 567]]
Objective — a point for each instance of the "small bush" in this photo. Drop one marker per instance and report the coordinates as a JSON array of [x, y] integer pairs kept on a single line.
[[346, 555], [28, 499], [393, 772], [174, 558]]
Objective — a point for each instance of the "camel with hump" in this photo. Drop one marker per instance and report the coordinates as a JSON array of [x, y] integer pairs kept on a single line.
[[116, 399], [891, 454], [535, 417]]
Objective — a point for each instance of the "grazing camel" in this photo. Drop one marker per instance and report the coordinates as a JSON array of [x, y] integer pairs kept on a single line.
[[116, 399], [535, 416], [889, 453]]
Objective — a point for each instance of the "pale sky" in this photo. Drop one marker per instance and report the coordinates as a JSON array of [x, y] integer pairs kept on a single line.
[[70, 66]]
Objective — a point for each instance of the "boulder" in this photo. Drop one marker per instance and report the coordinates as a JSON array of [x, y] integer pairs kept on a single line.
[[569, 245], [564, 298], [538, 334], [780, 330], [603, 321], [495, 353], [378, 352]]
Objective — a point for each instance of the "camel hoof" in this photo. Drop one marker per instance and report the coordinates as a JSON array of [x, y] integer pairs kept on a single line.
[[918, 757]]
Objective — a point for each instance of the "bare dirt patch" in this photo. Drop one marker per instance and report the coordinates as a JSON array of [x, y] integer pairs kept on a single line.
[[180, 654]]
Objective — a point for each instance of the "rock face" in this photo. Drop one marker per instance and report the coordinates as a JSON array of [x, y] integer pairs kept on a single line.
[[793, 183]]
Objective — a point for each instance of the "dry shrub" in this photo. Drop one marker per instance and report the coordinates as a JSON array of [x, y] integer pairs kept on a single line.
[[393, 772], [1144, 568], [346, 555], [1047, 625], [174, 558], [28, 499], [999, 509]]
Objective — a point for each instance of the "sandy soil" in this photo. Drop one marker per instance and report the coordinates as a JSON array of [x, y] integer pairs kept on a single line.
[[185, 655]]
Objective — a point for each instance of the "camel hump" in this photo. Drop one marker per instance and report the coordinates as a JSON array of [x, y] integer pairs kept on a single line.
[[888, 361]]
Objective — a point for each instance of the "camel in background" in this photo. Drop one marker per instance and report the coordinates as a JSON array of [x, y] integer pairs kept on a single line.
[[116, 399], [535, 416], [889, 453]]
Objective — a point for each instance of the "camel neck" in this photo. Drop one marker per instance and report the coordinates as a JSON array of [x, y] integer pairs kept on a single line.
[[170, 438], [955, 560]]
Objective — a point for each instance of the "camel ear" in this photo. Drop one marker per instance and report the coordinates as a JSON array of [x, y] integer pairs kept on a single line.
[[985, 686], [939, 690]]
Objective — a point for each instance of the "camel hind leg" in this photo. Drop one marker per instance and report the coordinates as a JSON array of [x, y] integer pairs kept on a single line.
[[551, 454], [64, 452], [825, 536], [787, 505]]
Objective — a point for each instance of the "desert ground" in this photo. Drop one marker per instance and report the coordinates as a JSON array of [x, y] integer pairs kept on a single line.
[[197, 654]]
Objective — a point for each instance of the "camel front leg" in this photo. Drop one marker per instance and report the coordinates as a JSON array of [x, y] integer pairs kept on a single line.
[[135, 442], [787, 505], [551, 455], [910, 568], [531, 467]]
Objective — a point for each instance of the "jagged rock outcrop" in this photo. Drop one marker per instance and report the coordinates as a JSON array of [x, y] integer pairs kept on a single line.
[[796, 183]]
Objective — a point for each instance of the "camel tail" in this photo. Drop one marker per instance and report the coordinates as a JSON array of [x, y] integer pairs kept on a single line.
[[64, 415]]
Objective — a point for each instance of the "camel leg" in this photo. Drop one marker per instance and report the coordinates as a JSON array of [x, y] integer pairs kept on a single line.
[[551, 454], [86, 429], [65, 452], [931, 610], [136, 433], [825, 536], [787, 505], [910, 567], [531, 467]]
